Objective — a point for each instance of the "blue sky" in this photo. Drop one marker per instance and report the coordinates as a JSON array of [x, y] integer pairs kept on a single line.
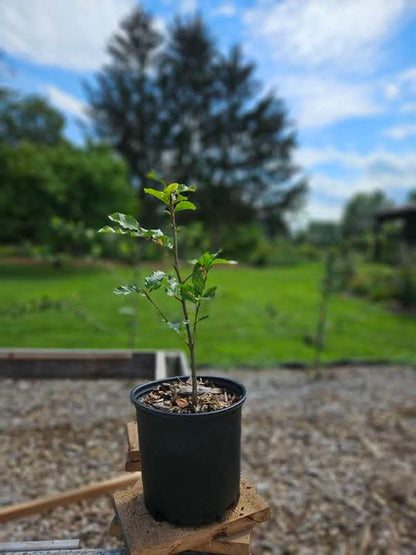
[[346, 70]]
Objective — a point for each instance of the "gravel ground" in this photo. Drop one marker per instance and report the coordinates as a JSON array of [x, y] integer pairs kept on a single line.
[[335, 458]]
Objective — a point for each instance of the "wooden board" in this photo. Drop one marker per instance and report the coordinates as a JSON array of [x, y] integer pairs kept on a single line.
[[235, 545], [145, 536], [53, 545], [89, 491], [132, 441]]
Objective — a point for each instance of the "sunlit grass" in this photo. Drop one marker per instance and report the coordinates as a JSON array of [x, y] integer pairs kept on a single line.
[[259, 318]]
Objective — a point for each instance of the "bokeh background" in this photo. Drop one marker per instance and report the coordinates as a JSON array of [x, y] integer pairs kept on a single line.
[[296, 120]]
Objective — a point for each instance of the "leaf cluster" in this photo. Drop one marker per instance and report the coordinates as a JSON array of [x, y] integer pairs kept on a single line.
[[194, 288]]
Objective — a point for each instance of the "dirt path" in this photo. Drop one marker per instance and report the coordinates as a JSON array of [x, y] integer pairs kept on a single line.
[[336, 458]]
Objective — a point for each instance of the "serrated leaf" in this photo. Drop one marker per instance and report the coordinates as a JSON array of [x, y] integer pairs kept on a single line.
[[155, 280], [161, 195], [185, 205], [210, 293], [126, 289], [125, 221]]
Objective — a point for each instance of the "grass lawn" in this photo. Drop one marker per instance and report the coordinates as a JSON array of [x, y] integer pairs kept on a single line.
[[259, 318]]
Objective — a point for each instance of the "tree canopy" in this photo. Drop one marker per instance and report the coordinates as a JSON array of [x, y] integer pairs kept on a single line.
[[194, 114], [359, 212], [29, 118], [39, 182]]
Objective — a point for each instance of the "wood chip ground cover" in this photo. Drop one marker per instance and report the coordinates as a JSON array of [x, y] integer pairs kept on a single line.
[[335, 458], [176, 397]]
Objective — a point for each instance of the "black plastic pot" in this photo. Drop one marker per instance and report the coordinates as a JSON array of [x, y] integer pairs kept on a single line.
[[190, 462]]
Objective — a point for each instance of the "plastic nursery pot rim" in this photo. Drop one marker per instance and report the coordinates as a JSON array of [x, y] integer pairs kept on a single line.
[[228, 383]]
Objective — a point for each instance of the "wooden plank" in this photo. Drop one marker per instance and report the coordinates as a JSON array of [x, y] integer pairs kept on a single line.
[[65, 354], [145, 536], [132, 466], [236, 545], [94, 489], [73, 552], [132, 441], [39, 545]]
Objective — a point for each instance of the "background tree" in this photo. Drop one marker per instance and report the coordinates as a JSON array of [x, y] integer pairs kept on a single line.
[[38, 183], [321, 233], [196, 115], [29, 118], [125, 103], [359, 212], [411, 197]]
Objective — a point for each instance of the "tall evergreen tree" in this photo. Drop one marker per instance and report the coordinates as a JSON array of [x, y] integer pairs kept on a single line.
[[193, 114], [125, 104]]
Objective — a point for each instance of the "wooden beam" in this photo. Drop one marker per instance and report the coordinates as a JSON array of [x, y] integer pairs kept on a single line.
[[89, 491], [38, 545], [144, 536]]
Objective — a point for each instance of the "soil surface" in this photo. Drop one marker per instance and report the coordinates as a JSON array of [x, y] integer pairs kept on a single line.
[[335, 458], [176, 397]]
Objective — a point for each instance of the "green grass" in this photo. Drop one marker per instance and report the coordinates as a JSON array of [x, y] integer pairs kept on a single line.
[[259, 318]]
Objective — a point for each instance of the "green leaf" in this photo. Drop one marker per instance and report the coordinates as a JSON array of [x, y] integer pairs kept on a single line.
[[185, 188], [210, 293], [172, 188], [119, 230], [224, 261], [172, 287], [161, 195], [153, 175], [155, 280], [125, 221], [185, 205], [188, 293], [198, 279], [126, 289], [176, 326], [209, 259], [107, 229], [157, 236]]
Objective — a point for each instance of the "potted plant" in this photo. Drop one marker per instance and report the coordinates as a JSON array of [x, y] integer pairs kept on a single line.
[[189, 428]]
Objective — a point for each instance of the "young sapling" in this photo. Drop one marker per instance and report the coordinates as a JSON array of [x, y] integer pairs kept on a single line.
[[190, 291]]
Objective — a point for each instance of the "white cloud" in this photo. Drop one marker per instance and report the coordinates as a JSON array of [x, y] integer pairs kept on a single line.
[[320, 100], [188, 6], [70, 34], [66, 102], [399, 132], [322, 210], [408, 108], [391, 172], [225, 10], [341, 34], [401, 89]]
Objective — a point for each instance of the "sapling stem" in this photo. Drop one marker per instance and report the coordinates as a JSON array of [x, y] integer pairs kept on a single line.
[[192, 288], [191, 336]]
